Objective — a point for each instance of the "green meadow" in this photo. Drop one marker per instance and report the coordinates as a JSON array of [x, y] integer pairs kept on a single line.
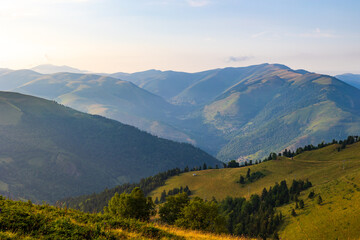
[[334, 175]]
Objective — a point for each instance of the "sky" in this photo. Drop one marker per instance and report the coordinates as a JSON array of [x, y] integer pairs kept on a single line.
[[181, 35]]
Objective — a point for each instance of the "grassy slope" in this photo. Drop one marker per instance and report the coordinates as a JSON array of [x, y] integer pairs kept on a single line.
[[338, 216]]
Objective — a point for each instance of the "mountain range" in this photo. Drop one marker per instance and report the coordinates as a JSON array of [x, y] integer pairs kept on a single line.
[[232, 113], [351, 79], [49, 151]]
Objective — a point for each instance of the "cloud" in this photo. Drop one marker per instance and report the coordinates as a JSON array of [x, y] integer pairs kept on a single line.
[[317, 33], [239, 58], [198, 3]]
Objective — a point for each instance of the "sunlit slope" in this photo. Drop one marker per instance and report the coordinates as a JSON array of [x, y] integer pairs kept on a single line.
[[336, 218], [319, 166], [339, 186], [335, 176]]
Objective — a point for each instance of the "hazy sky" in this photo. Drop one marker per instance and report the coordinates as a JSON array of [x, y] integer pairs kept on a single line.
[[183, 35]]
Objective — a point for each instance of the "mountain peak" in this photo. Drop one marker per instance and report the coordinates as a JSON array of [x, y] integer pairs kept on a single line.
[[50, 69]]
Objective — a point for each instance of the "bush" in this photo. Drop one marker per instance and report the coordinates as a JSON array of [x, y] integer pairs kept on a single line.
[[133, 205], [171, 210], [202, 215]]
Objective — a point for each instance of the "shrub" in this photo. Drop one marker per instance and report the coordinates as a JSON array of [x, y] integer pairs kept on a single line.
[[133, 205], [202, 215], [172, 208]]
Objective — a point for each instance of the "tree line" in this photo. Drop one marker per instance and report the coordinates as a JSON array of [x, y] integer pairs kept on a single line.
[[174, 191], [343, 143], [97, 201]]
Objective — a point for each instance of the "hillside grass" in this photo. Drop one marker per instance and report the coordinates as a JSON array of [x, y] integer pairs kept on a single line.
[[27, 221], [334, 175], [198, 235]]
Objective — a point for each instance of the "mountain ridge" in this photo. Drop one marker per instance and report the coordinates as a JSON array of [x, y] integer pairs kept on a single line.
[[50, 69]]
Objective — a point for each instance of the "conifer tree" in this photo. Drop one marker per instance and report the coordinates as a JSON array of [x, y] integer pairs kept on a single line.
[[319, 200]]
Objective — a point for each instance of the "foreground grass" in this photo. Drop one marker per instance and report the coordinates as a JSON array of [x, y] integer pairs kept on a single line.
[[198, 235], [335, 176], [24, 220]]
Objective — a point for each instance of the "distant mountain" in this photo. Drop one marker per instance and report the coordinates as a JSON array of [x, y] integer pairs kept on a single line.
[[242, 113], [232, 113], [48, 151], [50, 69], [352, 79], [10, 79], [283, 109], [166, 84]]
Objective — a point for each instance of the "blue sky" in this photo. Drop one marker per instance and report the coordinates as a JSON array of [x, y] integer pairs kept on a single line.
[[184, 35]]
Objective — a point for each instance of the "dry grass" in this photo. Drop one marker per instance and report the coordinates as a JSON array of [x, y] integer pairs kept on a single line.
[[198, 235]]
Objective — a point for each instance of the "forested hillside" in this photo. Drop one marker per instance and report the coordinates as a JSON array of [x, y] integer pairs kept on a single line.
[[48, 151]]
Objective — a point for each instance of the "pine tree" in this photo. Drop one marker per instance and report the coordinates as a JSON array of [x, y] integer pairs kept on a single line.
[[163, 197], [301, 204], [248, 174], [242, 179], [311, 194], [319, 200]]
